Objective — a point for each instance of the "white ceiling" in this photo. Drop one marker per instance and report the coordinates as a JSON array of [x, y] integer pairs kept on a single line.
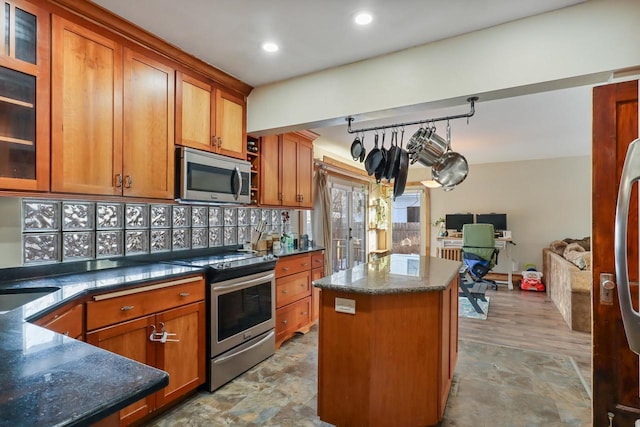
[[316, 35]]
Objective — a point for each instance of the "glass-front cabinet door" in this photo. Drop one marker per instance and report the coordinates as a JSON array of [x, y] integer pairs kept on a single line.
[[24, 96]]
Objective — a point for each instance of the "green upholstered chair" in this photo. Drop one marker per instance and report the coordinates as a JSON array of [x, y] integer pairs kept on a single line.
[[478, 251]]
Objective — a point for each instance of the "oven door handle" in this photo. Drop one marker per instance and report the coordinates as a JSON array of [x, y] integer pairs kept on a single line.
[[241, 283], [244, 350]]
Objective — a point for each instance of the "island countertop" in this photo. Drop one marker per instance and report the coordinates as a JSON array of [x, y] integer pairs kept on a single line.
[[395, 273]]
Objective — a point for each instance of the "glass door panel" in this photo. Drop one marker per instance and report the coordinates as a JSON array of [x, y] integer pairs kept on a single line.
[[17, 124], [339, 229], [348, 222]]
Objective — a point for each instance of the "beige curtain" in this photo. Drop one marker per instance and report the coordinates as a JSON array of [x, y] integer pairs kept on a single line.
[[323, 215]]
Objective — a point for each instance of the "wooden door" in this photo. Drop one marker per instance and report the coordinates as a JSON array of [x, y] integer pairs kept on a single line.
[[615, 367], [184, 360], [305, 173], [230, 125], [270, 171], [24, 110], [148, 156], [86, 125], [289, 169], [130, 339], [195, 113]]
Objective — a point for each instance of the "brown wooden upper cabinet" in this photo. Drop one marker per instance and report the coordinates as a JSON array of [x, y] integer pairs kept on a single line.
[[24, 96], [286, 171], [112, 117], [209, 118]]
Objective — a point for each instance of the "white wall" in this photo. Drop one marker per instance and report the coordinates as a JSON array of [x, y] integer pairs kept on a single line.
[[569, 47], [544, 200]]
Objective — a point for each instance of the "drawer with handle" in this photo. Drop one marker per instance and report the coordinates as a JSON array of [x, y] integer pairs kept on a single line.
[[67, 321], [292, 318], [118, 306], [293, 264], [292, 288], [317, 260]]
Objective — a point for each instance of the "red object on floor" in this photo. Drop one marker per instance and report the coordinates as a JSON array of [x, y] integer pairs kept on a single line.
[[531, 281]]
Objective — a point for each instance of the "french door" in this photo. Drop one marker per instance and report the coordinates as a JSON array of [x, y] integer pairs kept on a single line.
[[348, 220]]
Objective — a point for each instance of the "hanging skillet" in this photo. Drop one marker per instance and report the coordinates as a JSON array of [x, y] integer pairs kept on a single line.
[[392, 156], [356, 148], [373, 159], [383, 162], [403, 169]]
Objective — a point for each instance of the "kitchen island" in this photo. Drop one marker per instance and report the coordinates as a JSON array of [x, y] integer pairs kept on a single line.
[[388, 341]]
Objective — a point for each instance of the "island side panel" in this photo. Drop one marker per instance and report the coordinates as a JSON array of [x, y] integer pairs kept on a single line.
[[389, 364], [405, 359], [449, 330], [344, 359]]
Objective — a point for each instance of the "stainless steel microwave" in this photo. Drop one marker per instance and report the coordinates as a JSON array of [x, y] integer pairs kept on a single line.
[[209, 177]]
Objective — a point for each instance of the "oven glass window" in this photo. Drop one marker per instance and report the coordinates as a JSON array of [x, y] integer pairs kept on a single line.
[[243, 309]]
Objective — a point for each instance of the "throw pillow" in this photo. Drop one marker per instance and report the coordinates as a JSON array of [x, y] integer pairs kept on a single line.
[[574, 253], [558, 246]]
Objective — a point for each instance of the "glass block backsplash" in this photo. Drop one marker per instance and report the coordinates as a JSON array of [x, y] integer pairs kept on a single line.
[[59, 231]]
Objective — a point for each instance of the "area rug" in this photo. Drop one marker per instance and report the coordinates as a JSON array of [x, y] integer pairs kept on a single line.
[[505, 386], [465, 309]]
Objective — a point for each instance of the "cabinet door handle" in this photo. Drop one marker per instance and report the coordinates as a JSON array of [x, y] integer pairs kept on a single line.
[[304, 313], [118, 178], [305, 264], [285, 321], [285, 291], [303, 284], [285, 268], [126, 307], [219, 142], [128, 181], [213, 141], [184, 294]]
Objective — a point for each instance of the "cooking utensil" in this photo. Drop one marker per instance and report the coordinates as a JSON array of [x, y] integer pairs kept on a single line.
[[392, 158], [383, 161], [428, 149], [356, 148], [450, 170], [403, 169], [373, 159], [363, 153]]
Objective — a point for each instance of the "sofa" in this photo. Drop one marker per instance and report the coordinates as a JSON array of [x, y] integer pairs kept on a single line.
[[569, 286]]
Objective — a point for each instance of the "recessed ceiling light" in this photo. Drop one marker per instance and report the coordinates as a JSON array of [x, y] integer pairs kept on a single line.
[[363, 18], [270, 47]]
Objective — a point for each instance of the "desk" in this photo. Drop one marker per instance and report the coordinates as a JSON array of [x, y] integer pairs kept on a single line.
[[500, 243]]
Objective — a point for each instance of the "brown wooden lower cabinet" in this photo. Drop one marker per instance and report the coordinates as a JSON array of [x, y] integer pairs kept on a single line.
[[390, 363], [182, 355], [67, 320], [295, 298]]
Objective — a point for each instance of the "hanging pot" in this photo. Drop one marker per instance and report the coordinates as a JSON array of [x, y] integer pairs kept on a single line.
[[428, 150], [356, 148], [373, 159], [450, 170], [403, 169]]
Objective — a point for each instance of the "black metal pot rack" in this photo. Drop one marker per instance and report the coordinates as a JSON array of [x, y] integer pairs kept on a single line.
[[471, 112]]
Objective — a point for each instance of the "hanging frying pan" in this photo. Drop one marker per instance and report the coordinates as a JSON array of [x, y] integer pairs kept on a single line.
[[394, 162], [392, 155], [403, 169], [383, 162], [373, 159], [363, 153], [356, 148]]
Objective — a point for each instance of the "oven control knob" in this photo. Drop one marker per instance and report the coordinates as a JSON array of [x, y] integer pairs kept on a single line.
[[226, 264]]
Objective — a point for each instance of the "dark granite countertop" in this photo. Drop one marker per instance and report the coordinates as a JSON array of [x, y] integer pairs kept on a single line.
[[396, 273], [50, 379]]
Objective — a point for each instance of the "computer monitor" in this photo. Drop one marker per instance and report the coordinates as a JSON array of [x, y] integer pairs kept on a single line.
[[499, 221], [456, 221]]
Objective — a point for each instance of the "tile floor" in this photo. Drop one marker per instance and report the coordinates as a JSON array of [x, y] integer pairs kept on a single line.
[[493, 386]]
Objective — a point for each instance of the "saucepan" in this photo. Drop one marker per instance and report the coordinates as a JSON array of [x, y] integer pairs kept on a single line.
[[427, 149], [450, 170]]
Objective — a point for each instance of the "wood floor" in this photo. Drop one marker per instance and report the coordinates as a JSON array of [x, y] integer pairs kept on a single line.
[[529, 320]]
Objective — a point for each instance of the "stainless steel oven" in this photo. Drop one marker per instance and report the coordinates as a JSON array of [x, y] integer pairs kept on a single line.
[[242, 325]]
